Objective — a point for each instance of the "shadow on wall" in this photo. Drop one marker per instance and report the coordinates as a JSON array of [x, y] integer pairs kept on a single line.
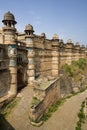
[[21, 78], [4, 82], [65, 85], [4, 124]]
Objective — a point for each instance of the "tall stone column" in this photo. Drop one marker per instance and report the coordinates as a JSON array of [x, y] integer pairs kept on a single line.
[[12, 51], [31, 53], [77, 51], [55, 56], [83, 49], [9, 32], [31, 66], [68, 50]]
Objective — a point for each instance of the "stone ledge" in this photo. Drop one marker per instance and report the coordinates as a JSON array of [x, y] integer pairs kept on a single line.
[[6, 99], [36, 123]]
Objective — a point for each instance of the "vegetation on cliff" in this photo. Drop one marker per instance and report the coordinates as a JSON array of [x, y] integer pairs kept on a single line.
[[76, 67], [77, 70]]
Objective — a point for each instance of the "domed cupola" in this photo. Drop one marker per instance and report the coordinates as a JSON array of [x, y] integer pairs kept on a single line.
[[55, 37], [9, 20], [69, 41], [77, 44], [29, 29], [43, 35]]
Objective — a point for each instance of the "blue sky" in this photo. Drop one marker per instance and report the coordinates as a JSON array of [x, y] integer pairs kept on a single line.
[[67, 18]]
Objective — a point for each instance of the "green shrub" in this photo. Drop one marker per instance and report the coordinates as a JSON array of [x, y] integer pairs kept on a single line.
[[35, 101], [82, 63], [81, 117], [68, 69], [52, 109], [7, 108], [76, 67]]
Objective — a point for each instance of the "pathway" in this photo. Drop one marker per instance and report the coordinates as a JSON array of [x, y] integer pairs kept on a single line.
[[64, 118]]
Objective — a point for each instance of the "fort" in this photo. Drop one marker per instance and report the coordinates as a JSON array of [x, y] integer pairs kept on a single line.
[[25, 57]]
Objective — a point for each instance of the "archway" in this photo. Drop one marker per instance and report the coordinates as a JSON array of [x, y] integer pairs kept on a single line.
[[20, 78]]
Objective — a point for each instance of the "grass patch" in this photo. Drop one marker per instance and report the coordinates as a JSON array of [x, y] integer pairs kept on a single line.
[[35, 101], [4, 113], [52, 109], [7, 108], [81, 117], [83, 89]]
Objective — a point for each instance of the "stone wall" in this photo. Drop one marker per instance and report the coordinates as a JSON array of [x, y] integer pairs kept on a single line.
[[66, 87], [51, 54], [43, 56], [46, 96], [4, 82], [39, 56]]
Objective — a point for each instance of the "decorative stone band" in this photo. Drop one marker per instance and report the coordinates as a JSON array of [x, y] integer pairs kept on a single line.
[[12, 51], [29, 42], [30, 61], [29, 48], [12, 62], [31, 66]]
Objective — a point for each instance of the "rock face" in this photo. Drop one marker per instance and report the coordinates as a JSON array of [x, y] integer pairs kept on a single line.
[[65, 85], [73, 78]]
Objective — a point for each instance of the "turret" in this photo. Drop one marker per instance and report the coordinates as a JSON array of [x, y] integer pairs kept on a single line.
[[9, 32], [30, 47], [55, 55], [9, 20], [9, 29], [29, 30]]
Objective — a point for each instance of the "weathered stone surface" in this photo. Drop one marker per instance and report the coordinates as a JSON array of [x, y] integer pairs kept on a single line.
[[47, 96], [4, 83], [28, 56]]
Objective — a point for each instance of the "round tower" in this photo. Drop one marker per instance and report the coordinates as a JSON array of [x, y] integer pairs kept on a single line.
[[43, 35], [55, 37], [9, 34], [77, 50], [29, 30], [9, 28], [55, 55], [30, 47], [68, 52]]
